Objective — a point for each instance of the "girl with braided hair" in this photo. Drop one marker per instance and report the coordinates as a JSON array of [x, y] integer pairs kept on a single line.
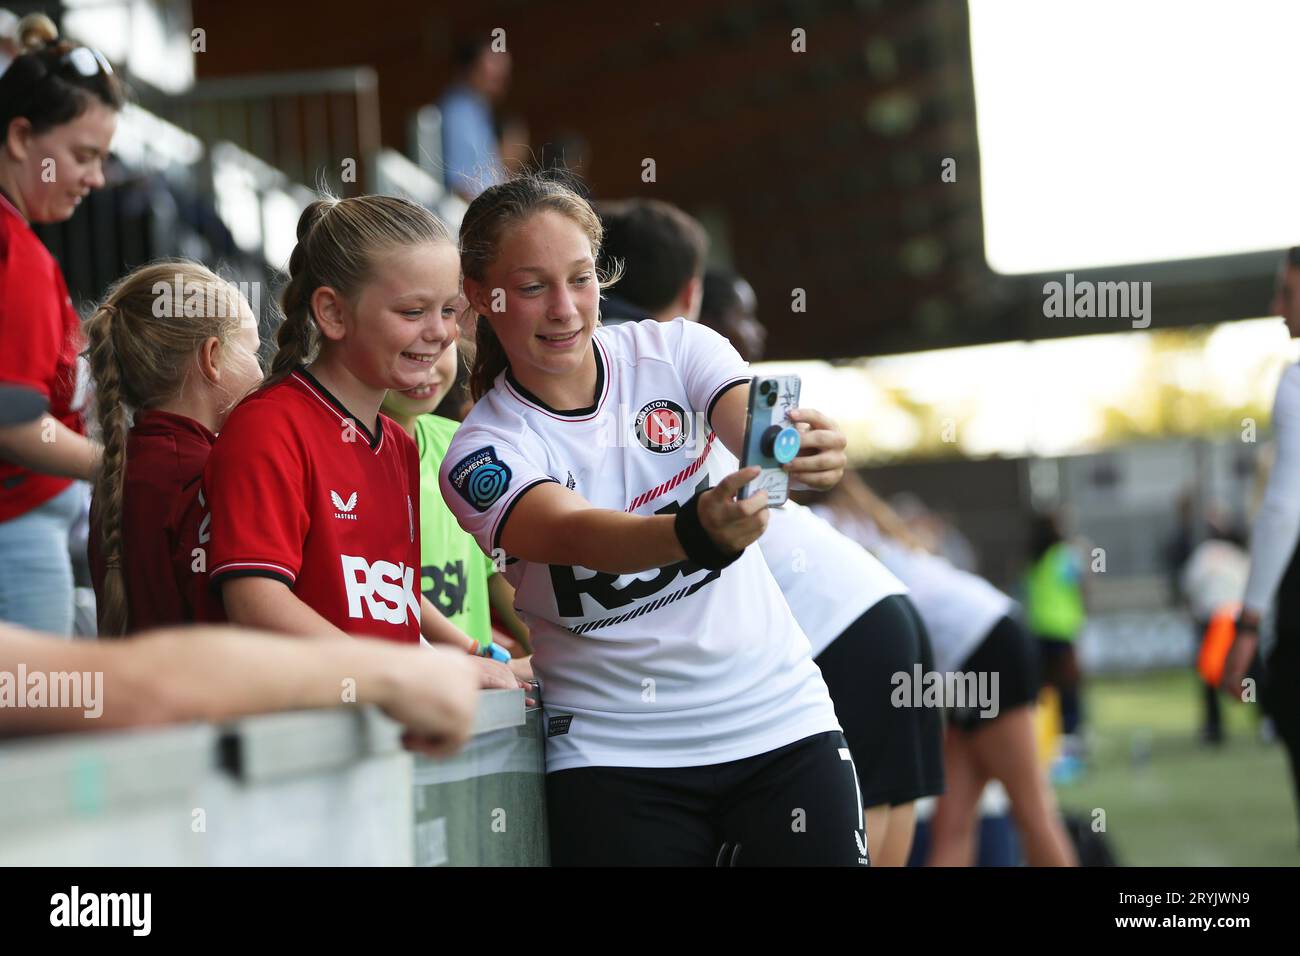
[[180, 365]]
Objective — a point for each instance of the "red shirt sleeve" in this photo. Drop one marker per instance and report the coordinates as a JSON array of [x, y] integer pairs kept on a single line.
[[255, 486]]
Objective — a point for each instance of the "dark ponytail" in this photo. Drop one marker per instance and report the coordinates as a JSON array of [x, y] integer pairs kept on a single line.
[[43, 85], [489, 359]]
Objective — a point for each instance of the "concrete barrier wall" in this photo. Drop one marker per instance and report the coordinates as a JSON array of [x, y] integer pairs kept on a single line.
[[308, 788]]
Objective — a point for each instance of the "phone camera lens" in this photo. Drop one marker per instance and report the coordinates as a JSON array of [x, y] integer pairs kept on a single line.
[[771, 399], [764, 388]]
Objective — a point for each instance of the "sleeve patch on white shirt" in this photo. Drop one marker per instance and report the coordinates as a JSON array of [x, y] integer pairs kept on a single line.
[[481, 478]]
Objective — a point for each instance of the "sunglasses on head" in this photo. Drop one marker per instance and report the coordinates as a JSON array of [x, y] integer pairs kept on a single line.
[[87, 61]]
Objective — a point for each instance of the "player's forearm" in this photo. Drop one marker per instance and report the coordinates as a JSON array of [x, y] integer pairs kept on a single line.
[[49, 447], [268, 605], [617, 543]]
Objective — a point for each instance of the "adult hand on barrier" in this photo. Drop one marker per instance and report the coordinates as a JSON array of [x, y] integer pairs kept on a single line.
[[434, 694], [733, 524], [821, 460]]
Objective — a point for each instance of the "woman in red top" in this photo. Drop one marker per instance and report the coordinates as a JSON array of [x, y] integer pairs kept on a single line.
[[177, 345], [58, 113]]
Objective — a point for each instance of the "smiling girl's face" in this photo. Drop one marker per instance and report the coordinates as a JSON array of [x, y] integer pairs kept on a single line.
[[546, 269], [404, 318]]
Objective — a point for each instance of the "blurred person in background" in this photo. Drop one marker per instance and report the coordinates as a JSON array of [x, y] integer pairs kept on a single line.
[[860, 620], [1182, 542], [662, 250], [938, 534], [216, 673], [1274, 580], [471, 150], [1212, 583], [973, 632], [728, 305], [8, 40], [59, 105], [1054, 612]]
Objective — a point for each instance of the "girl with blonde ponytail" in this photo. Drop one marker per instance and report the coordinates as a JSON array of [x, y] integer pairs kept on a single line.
[[167, 372], [314, 493]]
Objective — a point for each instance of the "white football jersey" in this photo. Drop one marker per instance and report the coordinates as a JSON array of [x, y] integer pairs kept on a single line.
[[958, 608], [828, 580], [672, 667]]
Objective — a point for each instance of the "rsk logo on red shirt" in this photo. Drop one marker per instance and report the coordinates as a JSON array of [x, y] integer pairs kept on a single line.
[[388, 589]]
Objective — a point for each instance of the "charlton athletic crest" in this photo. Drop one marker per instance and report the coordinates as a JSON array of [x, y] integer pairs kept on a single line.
[[662, 426]]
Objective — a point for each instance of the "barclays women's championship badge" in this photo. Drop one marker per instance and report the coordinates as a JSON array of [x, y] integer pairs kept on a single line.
[[481, 478]]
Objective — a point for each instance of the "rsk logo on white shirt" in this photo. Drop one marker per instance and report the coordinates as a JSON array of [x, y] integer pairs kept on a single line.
[[387, 589]]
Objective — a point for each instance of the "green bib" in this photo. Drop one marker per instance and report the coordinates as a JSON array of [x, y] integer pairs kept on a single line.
[[453, 572], [1053, 598]]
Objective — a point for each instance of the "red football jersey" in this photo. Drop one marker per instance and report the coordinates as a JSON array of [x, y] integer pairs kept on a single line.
[[302, 492], [164, 524], [40, 336]]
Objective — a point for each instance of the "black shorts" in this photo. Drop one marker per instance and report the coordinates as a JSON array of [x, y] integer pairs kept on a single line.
[[1009, 652], [794, 806], [898, 750]]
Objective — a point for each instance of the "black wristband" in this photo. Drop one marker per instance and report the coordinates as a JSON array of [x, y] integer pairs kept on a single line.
[[695, 541]]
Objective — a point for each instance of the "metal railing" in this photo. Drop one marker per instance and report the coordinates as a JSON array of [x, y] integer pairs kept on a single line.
[[303, 788], [318, 128]]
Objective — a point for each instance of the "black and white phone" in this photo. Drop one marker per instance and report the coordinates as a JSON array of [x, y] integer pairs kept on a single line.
[[771, 439]]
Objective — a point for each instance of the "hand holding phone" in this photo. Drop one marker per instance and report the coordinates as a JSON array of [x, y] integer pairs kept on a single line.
[[771, 439]]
